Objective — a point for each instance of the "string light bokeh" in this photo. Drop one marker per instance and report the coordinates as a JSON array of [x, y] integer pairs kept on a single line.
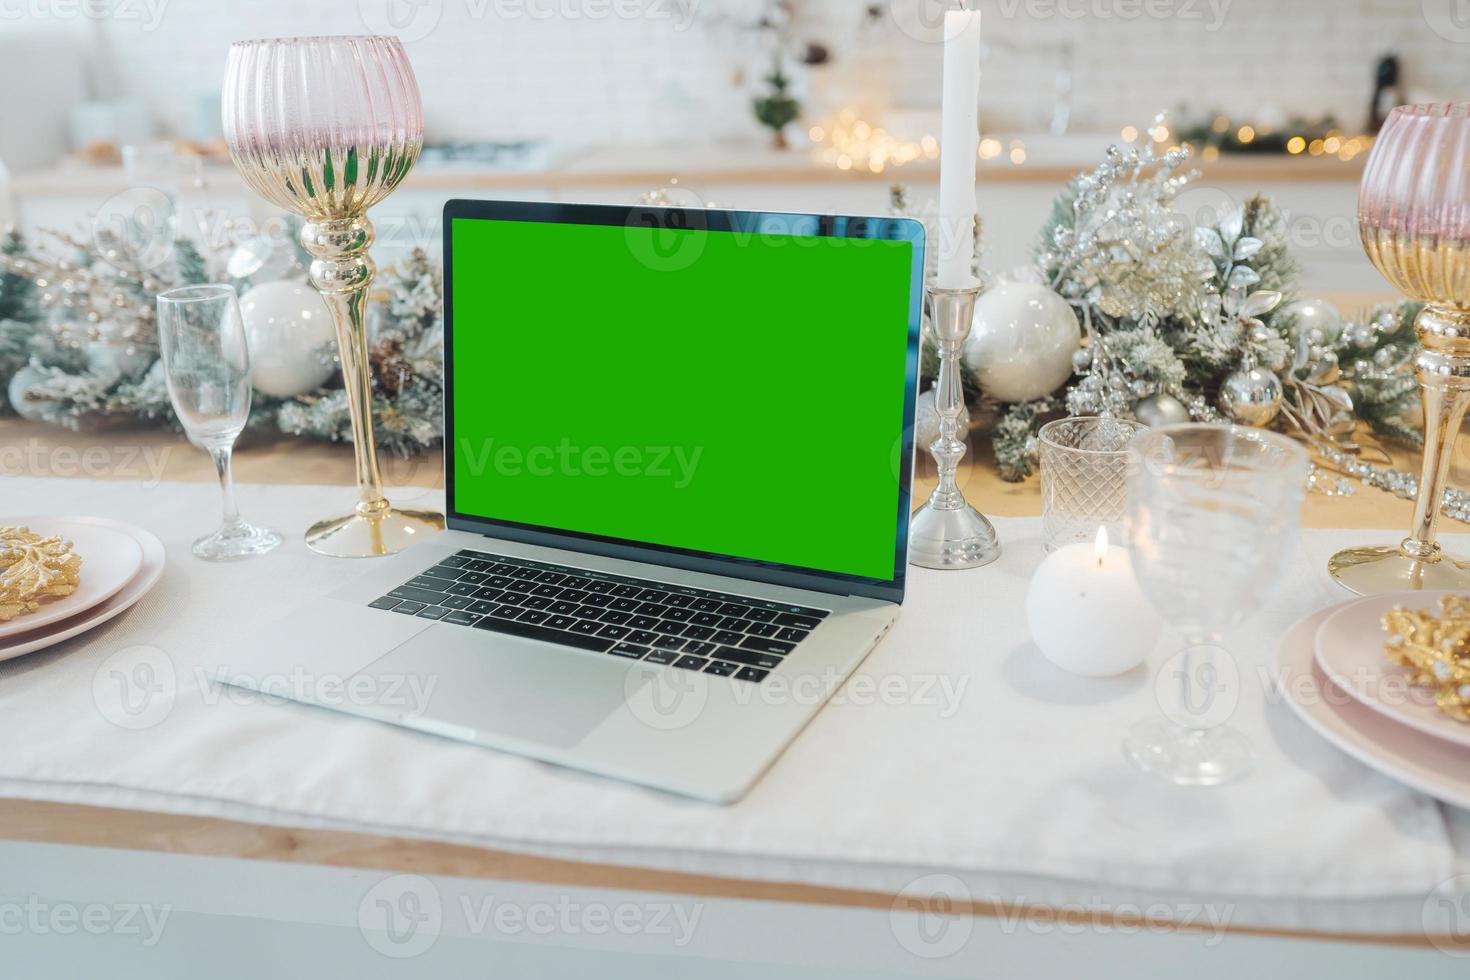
[[848, 141]]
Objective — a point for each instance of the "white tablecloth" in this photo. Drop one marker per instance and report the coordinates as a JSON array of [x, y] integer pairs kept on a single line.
[[981, 761]]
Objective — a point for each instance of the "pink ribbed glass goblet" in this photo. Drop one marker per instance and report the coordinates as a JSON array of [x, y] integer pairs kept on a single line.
[[326, 127], [1414, 219]]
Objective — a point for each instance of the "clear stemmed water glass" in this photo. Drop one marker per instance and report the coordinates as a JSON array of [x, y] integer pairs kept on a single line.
[[1213, 512], [207, 368]]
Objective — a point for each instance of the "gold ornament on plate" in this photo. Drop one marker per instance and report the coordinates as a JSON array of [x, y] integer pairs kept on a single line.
[[33, 568], [1435, 650]]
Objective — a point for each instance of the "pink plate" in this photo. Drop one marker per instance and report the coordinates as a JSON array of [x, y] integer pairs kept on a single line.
[[150, 568], [1430, 765], [110, 558], [1349, 647]]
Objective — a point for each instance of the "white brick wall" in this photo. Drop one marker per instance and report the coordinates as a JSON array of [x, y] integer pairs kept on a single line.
[[575, 71]]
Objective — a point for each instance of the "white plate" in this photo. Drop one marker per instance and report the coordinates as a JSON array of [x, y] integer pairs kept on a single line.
[[153, 560], [1430, 765], [1349, 647], [110, 559]]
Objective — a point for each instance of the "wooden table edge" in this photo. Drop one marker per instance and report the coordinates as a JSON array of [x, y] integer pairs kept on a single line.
[[44, 822]]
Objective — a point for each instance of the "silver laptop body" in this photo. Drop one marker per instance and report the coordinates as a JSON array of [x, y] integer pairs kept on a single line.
[[485, 673]]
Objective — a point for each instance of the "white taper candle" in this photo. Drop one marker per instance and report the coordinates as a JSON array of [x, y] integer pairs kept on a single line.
[[958, 135]]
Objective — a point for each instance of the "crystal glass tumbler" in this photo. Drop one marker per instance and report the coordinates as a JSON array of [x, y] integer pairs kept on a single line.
[[1084, 478]]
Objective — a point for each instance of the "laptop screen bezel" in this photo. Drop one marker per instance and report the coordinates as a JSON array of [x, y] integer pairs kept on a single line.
[[646, 216]]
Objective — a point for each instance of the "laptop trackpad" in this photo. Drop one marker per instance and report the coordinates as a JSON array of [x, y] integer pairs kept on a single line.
[[492, 683]]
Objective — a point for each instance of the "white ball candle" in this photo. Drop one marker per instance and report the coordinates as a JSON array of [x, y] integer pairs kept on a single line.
[[1086, 612]]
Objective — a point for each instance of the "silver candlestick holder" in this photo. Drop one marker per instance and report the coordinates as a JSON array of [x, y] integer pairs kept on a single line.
[[947, 532]]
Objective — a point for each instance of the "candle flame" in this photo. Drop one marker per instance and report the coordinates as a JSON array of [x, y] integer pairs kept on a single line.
[[1100, 544]]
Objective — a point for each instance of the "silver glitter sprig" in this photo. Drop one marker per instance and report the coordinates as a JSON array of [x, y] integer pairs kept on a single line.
[[1454, 504]]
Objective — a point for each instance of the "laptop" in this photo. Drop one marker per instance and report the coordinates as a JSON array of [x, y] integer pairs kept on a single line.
[[678, 451]]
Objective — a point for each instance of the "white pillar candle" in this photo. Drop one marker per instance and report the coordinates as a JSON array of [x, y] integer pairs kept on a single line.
[[1086, 612], [959, 133]]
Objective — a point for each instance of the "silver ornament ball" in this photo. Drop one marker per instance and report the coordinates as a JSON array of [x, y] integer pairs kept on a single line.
[[1250, 396], [1316, 319], [1022, 341], [1360, 334], [1158, 410], [1323, 369]]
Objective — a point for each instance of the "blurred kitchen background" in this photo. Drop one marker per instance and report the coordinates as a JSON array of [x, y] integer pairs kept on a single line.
[[609, 100]]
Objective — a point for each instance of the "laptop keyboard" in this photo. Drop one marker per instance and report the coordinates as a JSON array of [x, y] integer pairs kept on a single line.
[[718, 633]]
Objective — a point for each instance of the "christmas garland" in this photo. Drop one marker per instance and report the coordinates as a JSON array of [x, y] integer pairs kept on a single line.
[[78, 345], [1184, 317], [1176, 319]]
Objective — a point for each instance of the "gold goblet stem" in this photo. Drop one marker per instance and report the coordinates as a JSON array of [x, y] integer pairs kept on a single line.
[[1443, 373], [342, 271]]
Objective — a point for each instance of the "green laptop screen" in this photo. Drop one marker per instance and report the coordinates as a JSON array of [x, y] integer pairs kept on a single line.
[[718, 391]]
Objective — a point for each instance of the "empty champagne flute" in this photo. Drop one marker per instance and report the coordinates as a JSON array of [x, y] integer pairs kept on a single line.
[[1213, 512], [207, 368]]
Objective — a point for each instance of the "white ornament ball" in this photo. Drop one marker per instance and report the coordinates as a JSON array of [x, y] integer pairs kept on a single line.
[[31, 411], [926, 421], [1160, 410], [1022, 341], [1317, 319], [114, 360], [1250, 396], [289, 332]]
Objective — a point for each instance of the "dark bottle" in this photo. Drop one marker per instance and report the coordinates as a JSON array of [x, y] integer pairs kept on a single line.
[[1387, 92]]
